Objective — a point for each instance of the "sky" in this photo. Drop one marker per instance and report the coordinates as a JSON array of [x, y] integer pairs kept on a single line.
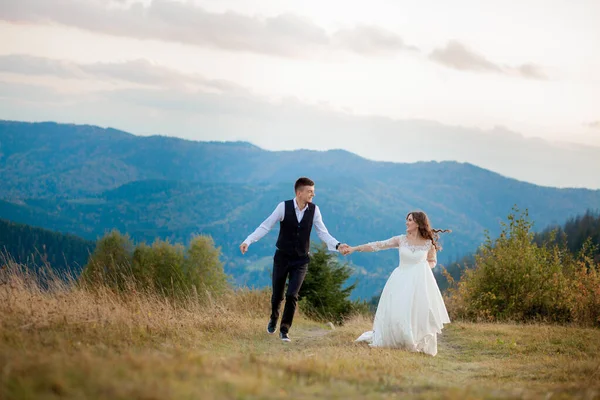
[[511, 86]]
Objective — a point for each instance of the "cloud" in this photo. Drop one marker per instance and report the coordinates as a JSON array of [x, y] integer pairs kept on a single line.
[[204, 115], [593, 124], [285, 35], [140, 72], [531, 71], [29, 95], [457, 56], [365, 39], [31, 65]]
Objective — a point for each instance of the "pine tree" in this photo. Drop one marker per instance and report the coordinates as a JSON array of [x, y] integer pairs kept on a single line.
[[323, 296]]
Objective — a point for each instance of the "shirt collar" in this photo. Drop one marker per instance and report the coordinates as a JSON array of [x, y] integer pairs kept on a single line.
[[296, 205]]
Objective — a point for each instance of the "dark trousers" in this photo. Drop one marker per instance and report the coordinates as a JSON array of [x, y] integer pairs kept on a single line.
[[295, 268]]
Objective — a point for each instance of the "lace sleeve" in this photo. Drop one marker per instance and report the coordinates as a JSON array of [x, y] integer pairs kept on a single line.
[[390, 243]]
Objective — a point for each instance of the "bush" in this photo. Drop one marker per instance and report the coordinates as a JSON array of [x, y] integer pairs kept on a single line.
[[168, 269], [203, 267], [516, 279], [110, 263], [159, 268], [513, 278], [583, 289]]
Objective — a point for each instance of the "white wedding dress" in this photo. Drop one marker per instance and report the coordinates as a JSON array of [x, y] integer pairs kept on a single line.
[[411, 311]]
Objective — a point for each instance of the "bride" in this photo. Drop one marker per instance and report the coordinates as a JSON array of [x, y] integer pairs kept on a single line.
[[411, 311]]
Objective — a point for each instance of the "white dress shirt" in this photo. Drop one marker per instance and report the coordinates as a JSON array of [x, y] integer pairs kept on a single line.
[[279, 214]]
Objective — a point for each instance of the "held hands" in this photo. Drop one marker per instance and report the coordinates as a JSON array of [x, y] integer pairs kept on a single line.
[[345, 249], [342, 247]]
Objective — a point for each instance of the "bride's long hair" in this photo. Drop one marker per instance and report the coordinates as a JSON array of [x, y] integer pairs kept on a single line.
[[425, 229]]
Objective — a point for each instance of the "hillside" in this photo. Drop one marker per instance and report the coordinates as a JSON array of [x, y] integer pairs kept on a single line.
[[36, 247], [87, 180]]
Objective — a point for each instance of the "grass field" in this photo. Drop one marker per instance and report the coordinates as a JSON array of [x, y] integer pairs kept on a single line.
[[73, 343]]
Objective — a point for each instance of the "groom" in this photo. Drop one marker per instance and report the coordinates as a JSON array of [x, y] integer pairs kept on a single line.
[[296, 218]]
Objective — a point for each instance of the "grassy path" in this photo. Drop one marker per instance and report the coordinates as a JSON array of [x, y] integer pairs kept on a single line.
[[75, 344], [474, 361]]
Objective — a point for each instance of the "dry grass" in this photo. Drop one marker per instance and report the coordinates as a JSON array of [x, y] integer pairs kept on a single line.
[[74, 343]]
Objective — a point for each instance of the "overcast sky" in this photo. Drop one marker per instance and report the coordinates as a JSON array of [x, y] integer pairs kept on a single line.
[[513, 86]]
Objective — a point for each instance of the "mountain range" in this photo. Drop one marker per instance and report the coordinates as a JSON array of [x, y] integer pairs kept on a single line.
[[87, 180]]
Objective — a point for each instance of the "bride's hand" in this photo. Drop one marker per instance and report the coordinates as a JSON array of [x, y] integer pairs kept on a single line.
[[348, 250]]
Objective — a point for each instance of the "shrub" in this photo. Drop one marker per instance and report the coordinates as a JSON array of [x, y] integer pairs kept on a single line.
[[513, 278], [164, 268]]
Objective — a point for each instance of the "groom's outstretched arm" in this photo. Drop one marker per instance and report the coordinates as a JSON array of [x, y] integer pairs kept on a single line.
[[264, 228], [322, 231]]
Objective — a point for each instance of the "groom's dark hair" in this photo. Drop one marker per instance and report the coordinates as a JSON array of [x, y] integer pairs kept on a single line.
[[301, 182]]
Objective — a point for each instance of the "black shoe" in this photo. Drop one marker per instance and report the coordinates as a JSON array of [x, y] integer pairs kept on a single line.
[[284, 337], [271, 327]]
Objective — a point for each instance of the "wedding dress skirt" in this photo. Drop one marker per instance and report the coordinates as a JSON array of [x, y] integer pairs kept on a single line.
[[411, 311]]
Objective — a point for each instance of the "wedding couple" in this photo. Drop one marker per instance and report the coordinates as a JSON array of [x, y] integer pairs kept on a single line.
[[411, 311]]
